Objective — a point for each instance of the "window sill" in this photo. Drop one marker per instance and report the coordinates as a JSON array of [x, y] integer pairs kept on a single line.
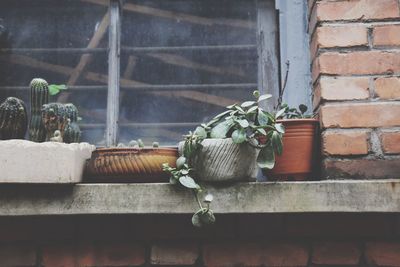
[[284, 197]]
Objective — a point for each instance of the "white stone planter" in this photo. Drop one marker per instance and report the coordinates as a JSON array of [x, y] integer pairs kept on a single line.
[[28, 162], [222, 160]]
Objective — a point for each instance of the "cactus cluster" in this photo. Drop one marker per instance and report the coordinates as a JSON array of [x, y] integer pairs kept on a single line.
[[13, 119], [72, 132], [39, 97], [48, 122]]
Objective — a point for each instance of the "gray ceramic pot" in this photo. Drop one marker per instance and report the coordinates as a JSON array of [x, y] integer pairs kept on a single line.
[[222, 160]]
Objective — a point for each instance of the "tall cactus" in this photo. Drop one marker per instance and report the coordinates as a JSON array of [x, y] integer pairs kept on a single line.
[[72, 131], [13, 119], [39, 97]]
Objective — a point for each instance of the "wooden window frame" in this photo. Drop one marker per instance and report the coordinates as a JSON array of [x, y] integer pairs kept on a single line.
[[281, 37]]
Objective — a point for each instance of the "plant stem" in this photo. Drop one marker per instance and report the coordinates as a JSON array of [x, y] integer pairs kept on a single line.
[[196, 194]]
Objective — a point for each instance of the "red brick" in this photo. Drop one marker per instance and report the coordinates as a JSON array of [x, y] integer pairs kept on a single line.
[[357, 63], [336, 253], [174, 253], [252, 254], [388, 88], [376, 114], [391, 142], [117, 254], [361, 168], [17, 255], [345, 142], [59, 255], [357, 10], [343, 226], [387, 35], [342, 36], [383, 253], [339, 36], [341, 88]]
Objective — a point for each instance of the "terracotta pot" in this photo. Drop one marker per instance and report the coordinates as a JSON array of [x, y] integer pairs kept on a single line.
[[299, 151], [130, 164], [221, 160]]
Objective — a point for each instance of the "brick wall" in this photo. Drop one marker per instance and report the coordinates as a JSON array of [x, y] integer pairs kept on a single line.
[[236, 240], [355, 50]]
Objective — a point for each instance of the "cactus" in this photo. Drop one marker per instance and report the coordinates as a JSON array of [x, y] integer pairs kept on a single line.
[[39, 97], [54, 117], [13, 119], [72, 133]]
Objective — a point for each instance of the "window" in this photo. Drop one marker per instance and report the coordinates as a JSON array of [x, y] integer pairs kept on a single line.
[[163, 66]]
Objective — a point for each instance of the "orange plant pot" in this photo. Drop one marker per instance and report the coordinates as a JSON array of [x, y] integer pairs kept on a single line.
[[298, 159]]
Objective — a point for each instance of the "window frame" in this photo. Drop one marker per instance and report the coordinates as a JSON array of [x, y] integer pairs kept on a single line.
[[278, 32]]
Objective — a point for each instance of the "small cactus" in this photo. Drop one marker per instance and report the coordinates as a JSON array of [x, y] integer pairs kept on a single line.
[[13, 119], [133, 143], [72, 133], [54, 117], [39, 97]]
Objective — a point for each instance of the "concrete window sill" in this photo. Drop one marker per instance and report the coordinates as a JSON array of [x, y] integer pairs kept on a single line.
[[280, 197]]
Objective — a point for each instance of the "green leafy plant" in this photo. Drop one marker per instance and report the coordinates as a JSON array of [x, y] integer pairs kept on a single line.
[[287, 112], [244, 123]]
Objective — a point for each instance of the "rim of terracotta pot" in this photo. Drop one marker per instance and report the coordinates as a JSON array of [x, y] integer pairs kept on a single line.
[[134, 149], [314, 120]]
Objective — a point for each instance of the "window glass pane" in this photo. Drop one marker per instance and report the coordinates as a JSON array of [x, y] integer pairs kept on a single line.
[[182, 62], [64, 42]]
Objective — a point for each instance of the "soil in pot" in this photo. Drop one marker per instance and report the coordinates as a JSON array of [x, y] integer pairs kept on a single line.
[[298, 161], [130, 164]]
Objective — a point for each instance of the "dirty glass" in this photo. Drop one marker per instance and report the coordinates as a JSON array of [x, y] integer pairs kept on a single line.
[[64, 42], [183, 61]]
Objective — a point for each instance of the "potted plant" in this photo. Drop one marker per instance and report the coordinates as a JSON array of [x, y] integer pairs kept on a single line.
[[134, 162], [228, 148], [298, 158]]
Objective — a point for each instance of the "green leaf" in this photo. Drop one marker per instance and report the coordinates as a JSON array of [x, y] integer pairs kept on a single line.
[[207, 217], [262, 118], [264, 97], [280, 128], [188, 182], [303, 108], [280, 113], [222, 114], [180, 162], [221, 129], [256, 94], [276, 140], [247, 104], [243, 123], [240, 109], [252, 109], [239, 136], [54, 89], [201, 132], [196, 220], [266, 158], [261, 131]]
